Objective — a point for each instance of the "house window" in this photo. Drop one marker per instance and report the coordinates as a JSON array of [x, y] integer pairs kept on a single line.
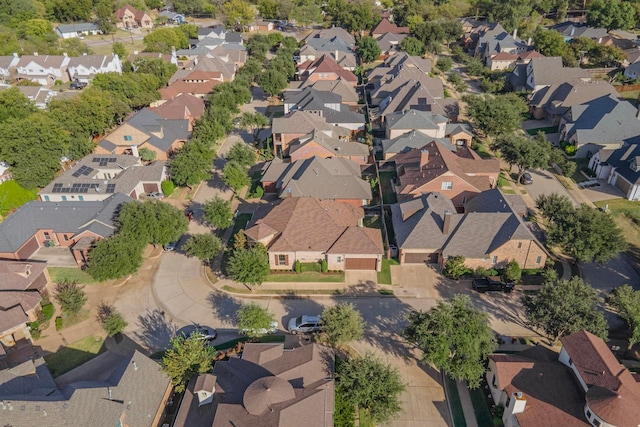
[[128, 138], [64, 198], [597, 423], [447, 185], [570, 362], [46, 198], [588, 414], [538, 259], [493, 381], [47, 236], [519, 245], [464, 200], [81, 198], [495, 259], [339, 258], [66, 238], [282, 259]]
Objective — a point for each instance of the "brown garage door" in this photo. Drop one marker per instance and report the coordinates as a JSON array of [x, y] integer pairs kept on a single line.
[[413, 258], [28, 248], [150, 188], [360, 264]]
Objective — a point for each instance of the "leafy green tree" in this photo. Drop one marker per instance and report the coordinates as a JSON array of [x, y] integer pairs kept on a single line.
[[273, 81], [203, 246], [156, 67], [625, 301], [523, 152], [186, 358], [237, 12], [147, 155], [241, 153], [137, 90], [563, 307], [14, 105], [114, 257], [454, 267], [550, 42], [357, 17], [154, 4], [455, 337], [342, 323], [253, 122], [496, 115], [152, 222], [120, 49], [512, 271], [249, 266], [444, 63], [70, 296], [111, 320], [430, 33], [192, 163], [235, 176], [584, 233], [194, 7], [258, 46], [105, 12], [164, 39], [70, 10], [611, 14], [412, 46], [75, 47], [371, 385], [267, 9], [254, 320], [367, 49], [306, 12], [218, 212]]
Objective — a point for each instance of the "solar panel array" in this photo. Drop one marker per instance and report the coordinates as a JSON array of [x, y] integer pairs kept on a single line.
[[76, 188], [103, 161], [84, 170]]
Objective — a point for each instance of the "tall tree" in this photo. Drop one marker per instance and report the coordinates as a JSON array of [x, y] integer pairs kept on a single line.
[[237, 12], [254, 320], [186, 358], [192, 163], [202, 246], [111, 320], [235, 176], [342, 323], [611, 14], [249, 266], [306, 12], [70, 296], [241, 153], [273, 81], [496, 115], [412, 46], [218, 213], [152, 222], [155, 66], [14, 105], [253, 122], [563, 307], [455, 337], [368, 49], [371, 385], [165, 39], [114, 257], [626, 303], [523, 152]]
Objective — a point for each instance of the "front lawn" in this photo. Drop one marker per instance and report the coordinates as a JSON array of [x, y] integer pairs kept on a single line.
[[74, 355], [12, 196], [580, 165], [307, 276], [483, 151], [240, 223], [480, 407], [71, 274], [627, 215], [384, 275], [455, 405]]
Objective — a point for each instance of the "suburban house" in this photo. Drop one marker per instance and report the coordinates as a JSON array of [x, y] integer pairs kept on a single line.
[[199, 76], [457, 137], [324, 104], [583, 386], [339, 50], [75, 225], [541, 72], [84, 68], [572, 30], [494, 40], [78, 29], [605, 122], [395, 65], [267, 385], [95, 178], [17, 309], [396, 124], [8, 65], [39, 95], [325, 68], [128, 17], [554, 100], [389, 44], [385, 26], [429, 230], [632, 71], [146, 129], [216, 32], [619, 167], [311, 230], [183, 106], [508, 61], [43, 69], [332, 178], [319, 144], [331, 33], [434, 167], [341, 87], [173, 17], [257, 26], [297, 124], [109, 390]]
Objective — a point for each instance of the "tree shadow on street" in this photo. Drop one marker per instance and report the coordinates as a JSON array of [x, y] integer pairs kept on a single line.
[[156, 329], [298, 306], [224, 306]]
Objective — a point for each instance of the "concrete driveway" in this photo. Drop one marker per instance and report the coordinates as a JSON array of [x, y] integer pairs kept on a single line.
[[544, 182]]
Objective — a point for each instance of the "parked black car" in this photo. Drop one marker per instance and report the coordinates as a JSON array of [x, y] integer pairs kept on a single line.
[[77, 85], [492, 283]]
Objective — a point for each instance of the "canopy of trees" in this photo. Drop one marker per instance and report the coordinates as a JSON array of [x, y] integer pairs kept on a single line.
[[496, 115], [186, 358], [626, 302], [249, 266], [254, 320], [342, 323]]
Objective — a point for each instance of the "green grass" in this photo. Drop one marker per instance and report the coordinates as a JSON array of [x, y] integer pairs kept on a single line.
[[502, 181], [365, 420], [384, 275], [619, 205], [263, 339], [307, 276], [119, 36], [545, 130], [631, 96], [240, 223], [372, 221], [12, 196], [74, 355], [388, 196], [483, 151], [72, 274], [580, 164], [258, 291], [74, 319], [480, 407], [454, 402], [255, 182]]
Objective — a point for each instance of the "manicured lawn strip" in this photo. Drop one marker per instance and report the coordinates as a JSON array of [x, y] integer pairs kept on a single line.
[[13, 196], [388, 196], [307, 276], [75, 319], [372, 221], [548, 129], [74, 355], [619, 204], [365, 419], [264, 339], [483, 151], [283, 291], [454, 402], [580, 164], [240, 223], [627, 215], [255, 182], [480, 408], [384, 276], [72, 274]]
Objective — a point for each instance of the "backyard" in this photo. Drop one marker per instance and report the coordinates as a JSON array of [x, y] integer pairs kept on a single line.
[[627, 215], [388, 195], [74, 355]]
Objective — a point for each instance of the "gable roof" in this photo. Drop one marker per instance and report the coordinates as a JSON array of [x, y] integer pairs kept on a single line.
[[328, 103], [77, 27], [414, 119], [331, 178], [569, 29], [335, 146], [549, 70], [390, 42], [182, 106], [495, 201], [326, 64], [339, 86], [69, 217], [304, 122], [385, 26], [138, 14], [624, 160], [19, 275], [45, 61], [328, 33], [14, 305], [557, 98]]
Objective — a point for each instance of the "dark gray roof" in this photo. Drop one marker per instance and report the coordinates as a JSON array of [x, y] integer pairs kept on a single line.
[[70, 217], [414, 119], [413, 139], [77, 27], [572, 30], [418, 222], [495, 201], [233, 37], [557, 98], [311, 99], [29, 378], [624, 160], [329, 44], [549, 70], [148, 121]]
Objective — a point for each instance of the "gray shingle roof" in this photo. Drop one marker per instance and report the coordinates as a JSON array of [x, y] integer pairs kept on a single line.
[[172, 129], [70, 217], [557, 98], [414, 139], [623, 159], [414, 119], [549, 70], [78, 27]]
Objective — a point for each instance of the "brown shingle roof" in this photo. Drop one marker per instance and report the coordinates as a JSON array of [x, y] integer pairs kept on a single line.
[[385, 26], [182, 106], [358, 240], [19, 275], [326, 64]]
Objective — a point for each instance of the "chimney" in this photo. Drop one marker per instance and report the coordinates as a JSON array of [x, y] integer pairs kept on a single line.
[[424, 158], [517, 403], [336, 58], [446, 222], [134, 150]]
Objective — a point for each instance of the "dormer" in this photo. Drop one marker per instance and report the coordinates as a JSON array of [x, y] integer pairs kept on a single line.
[[204, 388], [634, 164]]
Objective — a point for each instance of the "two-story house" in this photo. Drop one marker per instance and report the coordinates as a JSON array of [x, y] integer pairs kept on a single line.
[[325, 68], [324, 104], [43, 69], [85, 67], [128, 17]]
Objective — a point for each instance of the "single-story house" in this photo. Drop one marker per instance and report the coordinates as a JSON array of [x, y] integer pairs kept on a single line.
[[173, 17], [79, 29], [308, 229]]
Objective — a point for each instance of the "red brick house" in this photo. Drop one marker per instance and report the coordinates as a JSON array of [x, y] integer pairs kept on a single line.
[[325, 68]]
